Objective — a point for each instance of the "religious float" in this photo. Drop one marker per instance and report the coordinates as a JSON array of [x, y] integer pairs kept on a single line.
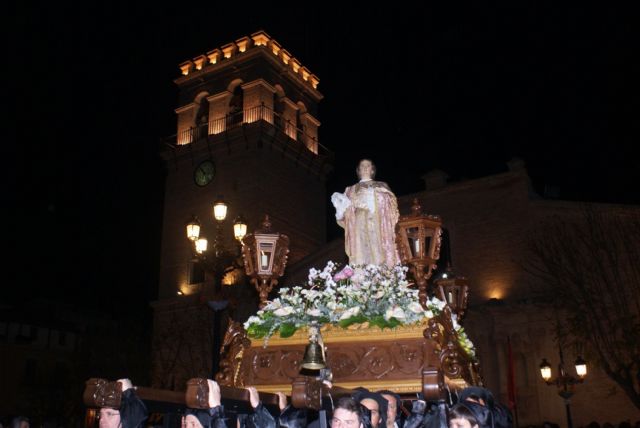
[[359, 325]]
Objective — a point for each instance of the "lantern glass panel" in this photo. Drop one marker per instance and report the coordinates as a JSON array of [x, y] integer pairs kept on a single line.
[[193, 231], [415, 243], [429, 243], [239, 230], [545, 370], [265, 254], [201, 245], [451, 296], [220, 210], [581, 367]]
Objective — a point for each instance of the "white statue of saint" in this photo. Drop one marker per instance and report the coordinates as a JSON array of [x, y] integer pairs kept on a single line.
[[368, 212]]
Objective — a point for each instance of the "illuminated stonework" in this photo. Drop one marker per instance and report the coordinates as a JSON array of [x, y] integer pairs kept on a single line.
[[186, 67], [260, 38], [200, 61], [285, 56], [243, 45], [214, 56]]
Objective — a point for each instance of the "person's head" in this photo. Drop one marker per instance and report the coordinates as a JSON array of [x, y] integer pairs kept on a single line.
[[191, 421], [196, 418], [347, 414], [366, 169], [376, 405], [479, 395], [460, 416], [19, 422], [109, 418], [393, 406], [374, 408]]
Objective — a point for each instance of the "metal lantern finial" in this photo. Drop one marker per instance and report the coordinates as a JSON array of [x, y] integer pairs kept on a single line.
[[266, 224]]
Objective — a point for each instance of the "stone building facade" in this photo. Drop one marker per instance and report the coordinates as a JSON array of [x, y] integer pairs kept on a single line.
[[249, 108]]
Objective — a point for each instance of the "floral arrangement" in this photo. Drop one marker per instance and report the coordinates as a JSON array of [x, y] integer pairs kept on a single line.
[[368, 295]]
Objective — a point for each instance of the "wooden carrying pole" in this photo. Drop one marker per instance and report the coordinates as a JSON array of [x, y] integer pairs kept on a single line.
[[104, 393]]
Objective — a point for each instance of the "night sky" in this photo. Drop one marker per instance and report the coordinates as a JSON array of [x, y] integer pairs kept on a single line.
[[415, 89]]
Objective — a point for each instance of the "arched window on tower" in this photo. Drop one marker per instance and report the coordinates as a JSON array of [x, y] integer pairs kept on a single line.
[[235, 107]]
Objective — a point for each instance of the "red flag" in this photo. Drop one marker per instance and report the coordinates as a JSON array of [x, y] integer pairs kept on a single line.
[[511, 378]]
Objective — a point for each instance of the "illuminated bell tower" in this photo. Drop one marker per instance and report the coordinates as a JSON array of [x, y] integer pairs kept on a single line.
[[247, 130]]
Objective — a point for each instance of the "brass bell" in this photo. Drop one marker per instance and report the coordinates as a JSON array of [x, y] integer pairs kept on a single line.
[[313, 357]]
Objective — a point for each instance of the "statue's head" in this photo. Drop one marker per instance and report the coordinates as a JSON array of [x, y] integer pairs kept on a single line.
[[366, 169]]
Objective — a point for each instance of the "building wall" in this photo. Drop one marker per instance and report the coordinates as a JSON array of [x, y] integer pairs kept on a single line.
[[489, 220], [486, 220]]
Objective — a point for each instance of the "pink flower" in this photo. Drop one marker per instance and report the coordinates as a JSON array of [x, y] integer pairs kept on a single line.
[[345, 273]]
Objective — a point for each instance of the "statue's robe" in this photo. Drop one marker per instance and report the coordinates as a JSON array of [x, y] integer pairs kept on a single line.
[[369, 223]]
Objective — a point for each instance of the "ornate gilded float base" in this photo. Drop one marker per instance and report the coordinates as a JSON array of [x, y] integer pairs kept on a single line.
[[368, 357], [395, 359]]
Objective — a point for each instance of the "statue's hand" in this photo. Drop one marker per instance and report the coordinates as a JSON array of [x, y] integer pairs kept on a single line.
[[341, 202]]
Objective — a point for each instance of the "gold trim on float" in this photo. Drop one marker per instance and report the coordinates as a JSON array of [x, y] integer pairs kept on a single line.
[[399, 386], [353, 333]]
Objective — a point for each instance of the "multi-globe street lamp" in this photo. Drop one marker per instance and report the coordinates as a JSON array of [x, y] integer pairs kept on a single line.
[[564, 381]]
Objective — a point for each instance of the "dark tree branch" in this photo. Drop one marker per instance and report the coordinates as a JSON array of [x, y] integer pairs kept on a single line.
[[589, 266]]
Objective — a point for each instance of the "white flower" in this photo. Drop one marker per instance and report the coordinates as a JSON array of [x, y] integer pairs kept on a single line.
[[283, 312], [439, 304], [428, 313], [350, 313], [314, 312], [416, 307], [252, 320], [395, 312]]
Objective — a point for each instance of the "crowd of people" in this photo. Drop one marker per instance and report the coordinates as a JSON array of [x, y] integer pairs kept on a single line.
[[475, 407]]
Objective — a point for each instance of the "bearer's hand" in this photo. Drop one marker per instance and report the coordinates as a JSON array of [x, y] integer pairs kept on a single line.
[[214, 393], [125, 384], [254, 398]]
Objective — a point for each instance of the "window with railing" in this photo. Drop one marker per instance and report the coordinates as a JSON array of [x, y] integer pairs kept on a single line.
[[252, 115]]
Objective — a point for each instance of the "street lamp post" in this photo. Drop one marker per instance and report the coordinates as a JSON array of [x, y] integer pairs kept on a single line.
[[564, 381], [220, 261], [216, 263]]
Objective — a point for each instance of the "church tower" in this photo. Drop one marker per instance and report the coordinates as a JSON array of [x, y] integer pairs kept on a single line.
[[247, 131]]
